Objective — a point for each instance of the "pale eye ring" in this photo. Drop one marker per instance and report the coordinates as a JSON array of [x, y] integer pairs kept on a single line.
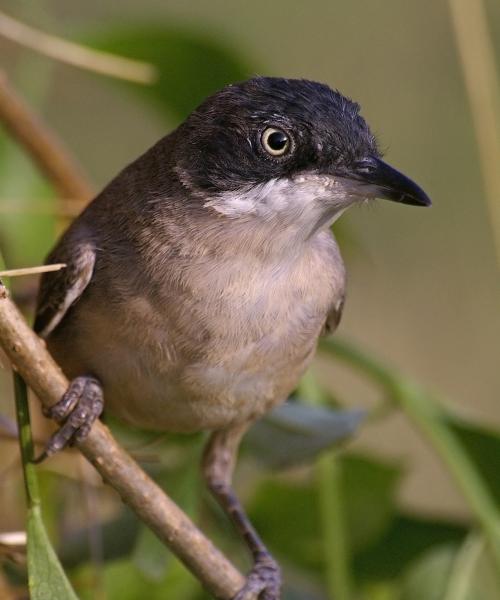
[[275, 141]]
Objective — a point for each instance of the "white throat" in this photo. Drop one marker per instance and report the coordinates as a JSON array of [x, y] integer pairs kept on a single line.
[[305, 203]]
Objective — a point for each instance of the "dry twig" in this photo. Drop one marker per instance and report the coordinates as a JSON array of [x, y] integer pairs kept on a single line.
[[30, 357], [32, 270], [47, 151], [76, 54]]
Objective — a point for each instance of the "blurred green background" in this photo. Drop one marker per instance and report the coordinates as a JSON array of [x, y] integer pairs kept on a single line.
[[422, 294]]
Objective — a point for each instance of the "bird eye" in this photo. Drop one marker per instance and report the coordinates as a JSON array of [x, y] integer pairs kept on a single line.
[[275, 141]]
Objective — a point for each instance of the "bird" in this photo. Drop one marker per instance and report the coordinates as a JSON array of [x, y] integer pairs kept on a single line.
[[198, 282]]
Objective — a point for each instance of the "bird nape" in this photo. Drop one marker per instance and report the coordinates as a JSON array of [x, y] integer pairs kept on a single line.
[[200, 279]]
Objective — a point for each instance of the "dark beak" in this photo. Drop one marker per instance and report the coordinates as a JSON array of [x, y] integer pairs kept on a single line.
[[386, 182]]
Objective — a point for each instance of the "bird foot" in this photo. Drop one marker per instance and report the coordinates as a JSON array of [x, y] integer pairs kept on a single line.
[[263, 581], [77, 410]]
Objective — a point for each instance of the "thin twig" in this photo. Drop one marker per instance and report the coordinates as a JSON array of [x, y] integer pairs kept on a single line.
[[45, 149], [32, 270], [67, 207], [76, 54], [477, 59], [30, 357]]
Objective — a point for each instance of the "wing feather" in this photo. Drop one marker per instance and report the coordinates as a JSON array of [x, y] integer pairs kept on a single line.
[[61, 289]]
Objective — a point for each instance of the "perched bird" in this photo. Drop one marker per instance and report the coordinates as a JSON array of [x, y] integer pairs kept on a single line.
[[200, 279]]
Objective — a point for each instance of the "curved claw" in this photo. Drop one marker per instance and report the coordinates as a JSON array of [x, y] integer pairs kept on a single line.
[[80, 406]]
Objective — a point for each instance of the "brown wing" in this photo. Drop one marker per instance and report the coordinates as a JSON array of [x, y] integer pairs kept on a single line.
[[60, 289], [333, 317]]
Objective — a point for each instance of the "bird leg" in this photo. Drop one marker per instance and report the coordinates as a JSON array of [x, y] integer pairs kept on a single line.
[[77, 410], [264, 580]]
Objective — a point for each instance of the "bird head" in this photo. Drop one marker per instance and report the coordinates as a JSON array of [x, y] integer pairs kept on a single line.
[[286, 149]]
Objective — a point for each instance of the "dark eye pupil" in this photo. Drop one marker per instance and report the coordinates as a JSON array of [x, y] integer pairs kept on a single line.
[[277, 140]]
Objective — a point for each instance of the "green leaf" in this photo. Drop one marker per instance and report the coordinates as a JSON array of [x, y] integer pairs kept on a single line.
[[123, 580], [287, 510], [191, 65], [370, 498], [483, 446], [406, 539], [451, 573], [473, 575], [47, 579], [46, 576], [384, 541], [295, 433], [427, 579]]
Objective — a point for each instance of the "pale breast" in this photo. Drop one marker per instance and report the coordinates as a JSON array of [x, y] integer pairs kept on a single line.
[[222, 346]]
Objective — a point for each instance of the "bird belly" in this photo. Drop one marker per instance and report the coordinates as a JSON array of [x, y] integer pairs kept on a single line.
[[207, 394], [235, 374]]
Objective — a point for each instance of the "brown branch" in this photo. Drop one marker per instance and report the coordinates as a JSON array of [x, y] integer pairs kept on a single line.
[[43, 146], [30, 357]]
